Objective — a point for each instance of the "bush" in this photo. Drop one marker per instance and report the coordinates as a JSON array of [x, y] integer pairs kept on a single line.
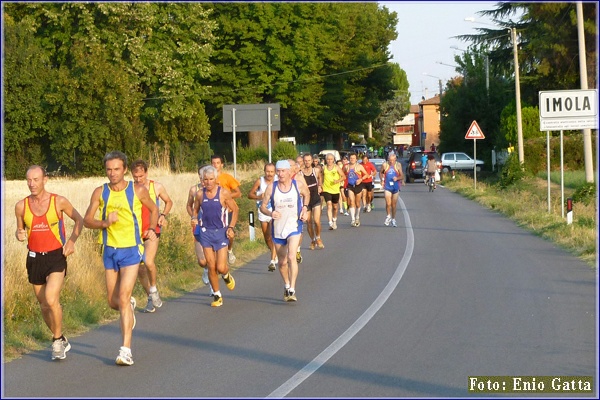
[[247, 155], [585, 193], [284, 151], [512, 172]]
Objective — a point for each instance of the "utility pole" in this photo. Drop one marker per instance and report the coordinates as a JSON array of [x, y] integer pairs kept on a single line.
[[513, 32], [587, 133]]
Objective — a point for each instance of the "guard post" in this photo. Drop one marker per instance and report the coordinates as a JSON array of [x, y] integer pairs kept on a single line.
[[251, 225]]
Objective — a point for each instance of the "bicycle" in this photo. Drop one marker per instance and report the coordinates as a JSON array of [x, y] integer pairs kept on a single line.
[[431, 182]]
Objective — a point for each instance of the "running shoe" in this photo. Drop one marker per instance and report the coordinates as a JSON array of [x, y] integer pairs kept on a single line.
[[334, 225], [320, 244], [365, 209], [387, 221], [217, 302], [312, 245], [346, 213], [272, 265], [357, 222], [353, 223], [229, 281], [298, 257], [150, 306], [330, 225], [133, 304], [231, 257], [60, 348], [286, 295], [205, 276], [394, 223], [369, 208], [156, 299], [291, 296], [124, 357]]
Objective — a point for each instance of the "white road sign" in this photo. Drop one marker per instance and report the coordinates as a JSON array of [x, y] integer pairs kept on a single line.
[[474, 132], [568, 109]]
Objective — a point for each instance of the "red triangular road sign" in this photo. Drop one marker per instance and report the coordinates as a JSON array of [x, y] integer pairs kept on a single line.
[[474, 132]]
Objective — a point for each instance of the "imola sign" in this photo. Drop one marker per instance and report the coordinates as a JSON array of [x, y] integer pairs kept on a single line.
[[568, 109]]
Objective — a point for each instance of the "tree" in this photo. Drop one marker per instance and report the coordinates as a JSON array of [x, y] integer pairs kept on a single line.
[[395, 109]]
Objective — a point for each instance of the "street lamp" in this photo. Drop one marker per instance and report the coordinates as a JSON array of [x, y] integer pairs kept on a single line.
[[513, 34], [439, 81]]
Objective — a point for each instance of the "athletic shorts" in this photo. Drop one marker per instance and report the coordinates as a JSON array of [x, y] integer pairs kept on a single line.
[[284, 241], [315, 200], [117, 258], [263, 217], [369, 186], [41, 265], [393, 191], [356, 189], [214, 238], [331, 197]]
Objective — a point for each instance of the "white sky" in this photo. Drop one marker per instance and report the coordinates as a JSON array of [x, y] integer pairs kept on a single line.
[[425, 31]]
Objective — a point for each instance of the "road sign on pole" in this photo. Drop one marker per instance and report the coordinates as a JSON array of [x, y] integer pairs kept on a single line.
[[568, 109], [474, 132]]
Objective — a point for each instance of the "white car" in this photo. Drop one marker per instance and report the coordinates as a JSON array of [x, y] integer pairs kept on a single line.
[[459, 161], [336, 154]]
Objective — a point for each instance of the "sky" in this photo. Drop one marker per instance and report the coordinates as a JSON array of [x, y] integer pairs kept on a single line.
[[425, 39]]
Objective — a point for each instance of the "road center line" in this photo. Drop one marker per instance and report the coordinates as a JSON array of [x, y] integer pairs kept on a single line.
[[345, 337]]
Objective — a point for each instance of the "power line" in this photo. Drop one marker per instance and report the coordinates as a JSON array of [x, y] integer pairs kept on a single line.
[[276, 83]]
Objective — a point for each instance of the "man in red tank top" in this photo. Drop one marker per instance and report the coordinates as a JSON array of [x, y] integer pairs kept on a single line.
[[40, 223]]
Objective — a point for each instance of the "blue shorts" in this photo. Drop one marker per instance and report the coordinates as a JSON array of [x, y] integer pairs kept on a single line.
[[214, 238], [283, 242], [117, 258]]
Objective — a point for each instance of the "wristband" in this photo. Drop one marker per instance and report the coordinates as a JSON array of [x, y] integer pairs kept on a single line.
[[164, 215], [230, 227], [152, 229]]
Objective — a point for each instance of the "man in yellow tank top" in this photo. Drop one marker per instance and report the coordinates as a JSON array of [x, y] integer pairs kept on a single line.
[[120, 223], [40, 222]]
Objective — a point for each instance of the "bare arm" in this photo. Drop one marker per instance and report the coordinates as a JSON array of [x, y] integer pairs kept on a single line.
[[197, 200], [66, 207], [236, 192], [90, 221], [190, 201], [342, 175], [164, 196], [266, 198], [142, 193], [305, 193], [227, 201], [252, 193], [21, 232]]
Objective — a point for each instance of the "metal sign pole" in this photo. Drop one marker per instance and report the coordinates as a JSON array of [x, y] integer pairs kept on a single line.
[[475, 163], [269, 126], [234, 149], [562, 178], [548, 165]]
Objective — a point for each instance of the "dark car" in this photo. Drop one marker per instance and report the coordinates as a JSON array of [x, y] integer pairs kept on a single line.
[[414, 169]]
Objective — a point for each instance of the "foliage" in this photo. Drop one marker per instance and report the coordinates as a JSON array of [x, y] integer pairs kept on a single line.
[[512, 172], [530, 119], [247, 155], [283, 151], [585, 194]]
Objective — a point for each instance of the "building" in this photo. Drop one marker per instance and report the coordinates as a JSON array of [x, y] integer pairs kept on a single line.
[[407, 131], [429, 122]]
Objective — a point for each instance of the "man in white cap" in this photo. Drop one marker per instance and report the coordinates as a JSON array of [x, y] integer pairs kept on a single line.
[[288, 199]]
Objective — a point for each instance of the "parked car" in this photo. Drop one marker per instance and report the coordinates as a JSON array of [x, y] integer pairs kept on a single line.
[[414, 149], [459, 161], [360, 149], [414, 169], [336, 154], [377, 187]]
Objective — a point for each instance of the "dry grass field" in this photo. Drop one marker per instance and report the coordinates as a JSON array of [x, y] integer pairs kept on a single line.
[[83, 296]]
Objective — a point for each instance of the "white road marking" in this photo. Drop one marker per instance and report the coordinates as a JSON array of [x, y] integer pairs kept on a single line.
[[345, 337]]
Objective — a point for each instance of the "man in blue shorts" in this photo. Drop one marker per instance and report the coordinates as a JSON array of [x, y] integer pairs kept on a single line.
[[120, 204], [288, 199], [393, 178]]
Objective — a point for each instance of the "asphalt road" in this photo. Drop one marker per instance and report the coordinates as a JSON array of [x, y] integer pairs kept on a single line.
[[454, 291]]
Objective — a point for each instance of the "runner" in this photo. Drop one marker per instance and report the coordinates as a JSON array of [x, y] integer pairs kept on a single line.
[[214, 201], [392, 178], [256, 193], [295, 167], [314, 181], [333, 177], [344, 188], [288, 199], [196, 230], [147, 270], [40, 222], [368, 183], [120, 204], [355, 173]]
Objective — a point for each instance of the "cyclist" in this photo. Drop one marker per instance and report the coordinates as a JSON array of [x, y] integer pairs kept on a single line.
[[430, 169]]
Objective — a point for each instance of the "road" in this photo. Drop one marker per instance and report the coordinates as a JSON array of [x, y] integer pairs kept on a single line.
[[454, 291]]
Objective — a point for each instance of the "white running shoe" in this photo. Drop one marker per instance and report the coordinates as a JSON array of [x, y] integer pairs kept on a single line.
[[231, 257], [387, 221], [394, 223], [156, 301], [369, 208], [205, 276], [124, 357]]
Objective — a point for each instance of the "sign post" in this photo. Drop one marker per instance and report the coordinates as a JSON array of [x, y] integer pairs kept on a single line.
[[474, 133], [565, 110]]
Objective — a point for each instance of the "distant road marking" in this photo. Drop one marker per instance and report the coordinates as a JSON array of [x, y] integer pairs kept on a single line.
[[345, 337]]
